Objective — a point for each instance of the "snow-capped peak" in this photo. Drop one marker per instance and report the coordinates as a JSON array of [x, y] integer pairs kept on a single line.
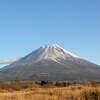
[[52, 52], [55, 48], [48, 52], [72, 54]]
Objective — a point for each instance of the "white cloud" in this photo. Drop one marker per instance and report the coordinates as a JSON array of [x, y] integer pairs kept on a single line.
[[8, 61]]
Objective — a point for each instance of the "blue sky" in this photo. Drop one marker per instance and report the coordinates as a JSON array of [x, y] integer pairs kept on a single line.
[[28, 24]]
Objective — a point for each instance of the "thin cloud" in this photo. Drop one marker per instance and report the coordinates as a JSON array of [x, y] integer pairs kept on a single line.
[[8, 61]]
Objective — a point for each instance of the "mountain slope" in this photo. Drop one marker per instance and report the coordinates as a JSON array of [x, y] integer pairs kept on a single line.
[[51, 62]]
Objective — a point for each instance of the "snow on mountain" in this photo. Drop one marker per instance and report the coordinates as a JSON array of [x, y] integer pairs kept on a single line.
[[48, 52]]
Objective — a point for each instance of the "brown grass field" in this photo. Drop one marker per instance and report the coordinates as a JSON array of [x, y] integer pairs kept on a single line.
[[33, 91]]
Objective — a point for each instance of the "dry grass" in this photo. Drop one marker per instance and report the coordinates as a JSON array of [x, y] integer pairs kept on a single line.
[[34, 92]]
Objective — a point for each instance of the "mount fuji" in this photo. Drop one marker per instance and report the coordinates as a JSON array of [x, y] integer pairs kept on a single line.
[[52, 63]]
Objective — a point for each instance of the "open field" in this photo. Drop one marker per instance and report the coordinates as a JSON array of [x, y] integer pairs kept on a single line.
[[32, 91]]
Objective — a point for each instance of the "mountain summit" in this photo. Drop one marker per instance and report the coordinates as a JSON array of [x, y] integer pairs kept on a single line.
[[51, 62], [48, 52]]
